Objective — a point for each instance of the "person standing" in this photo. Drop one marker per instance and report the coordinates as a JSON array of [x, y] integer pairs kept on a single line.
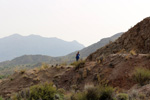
[[77, 56]]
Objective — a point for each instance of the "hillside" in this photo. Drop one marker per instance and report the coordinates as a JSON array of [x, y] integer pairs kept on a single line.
[[120, 59], [17, 45], [137, 38], [116, 70], [24, 79], [85, 52], [26, 62]]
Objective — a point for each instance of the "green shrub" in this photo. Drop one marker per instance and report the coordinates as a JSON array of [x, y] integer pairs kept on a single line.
[[79, 96], [2, 76], [40, 92], [11, 79], [122, 96], [141, 75], [45, 91], [1, 98], [95, 93], [89, 94], [92, 94], [106, 92]]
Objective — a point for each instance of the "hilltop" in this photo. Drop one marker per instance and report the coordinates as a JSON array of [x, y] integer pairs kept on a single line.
[[26, 62], [137, 38]]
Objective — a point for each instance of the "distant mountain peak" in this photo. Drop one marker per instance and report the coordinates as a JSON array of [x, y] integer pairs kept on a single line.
[[15, 35], [33, 35], [17, 45], [74, 41]]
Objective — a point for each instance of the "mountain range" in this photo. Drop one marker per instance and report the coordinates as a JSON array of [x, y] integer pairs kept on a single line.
[[17, 45], [31, 61]]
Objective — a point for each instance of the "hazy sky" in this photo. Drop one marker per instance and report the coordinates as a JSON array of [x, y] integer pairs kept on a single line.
[[86, 21]]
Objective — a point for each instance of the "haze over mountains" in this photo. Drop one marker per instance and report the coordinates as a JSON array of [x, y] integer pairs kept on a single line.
[[17, 45], [31, 61]]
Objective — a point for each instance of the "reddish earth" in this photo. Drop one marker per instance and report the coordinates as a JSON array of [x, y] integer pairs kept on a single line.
[[20, 80], [117, 69]]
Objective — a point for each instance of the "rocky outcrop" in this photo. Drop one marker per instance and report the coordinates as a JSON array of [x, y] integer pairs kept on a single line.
[[137, 38]]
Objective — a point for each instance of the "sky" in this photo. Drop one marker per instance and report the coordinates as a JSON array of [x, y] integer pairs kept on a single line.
[[86, 21]]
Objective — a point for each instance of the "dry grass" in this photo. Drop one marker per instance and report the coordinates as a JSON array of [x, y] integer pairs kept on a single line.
[[133, 52], [141, 76], [22, 71], [78, 64]]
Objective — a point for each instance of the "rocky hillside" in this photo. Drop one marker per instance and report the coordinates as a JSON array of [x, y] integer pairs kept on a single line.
[[137, 38], [116, 70], [120, 58], [85, 52], [26, 62], [24, 79]]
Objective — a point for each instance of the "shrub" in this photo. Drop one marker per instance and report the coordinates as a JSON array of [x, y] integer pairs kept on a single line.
[[89, 94], [44, 66], [78, 64], [141, 75], [11, 79], [79, 96], [2, 76], [22, 71], [1, 98], [106, 92], [95, 93], [43, 91], [92, 94], [122, 96]]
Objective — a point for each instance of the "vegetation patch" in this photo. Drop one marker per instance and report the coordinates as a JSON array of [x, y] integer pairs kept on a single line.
[[2, 76], [95, 93], [40, 92], [22, 71], [1, 98], [78, 64], [141, 76], [122, 96]]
